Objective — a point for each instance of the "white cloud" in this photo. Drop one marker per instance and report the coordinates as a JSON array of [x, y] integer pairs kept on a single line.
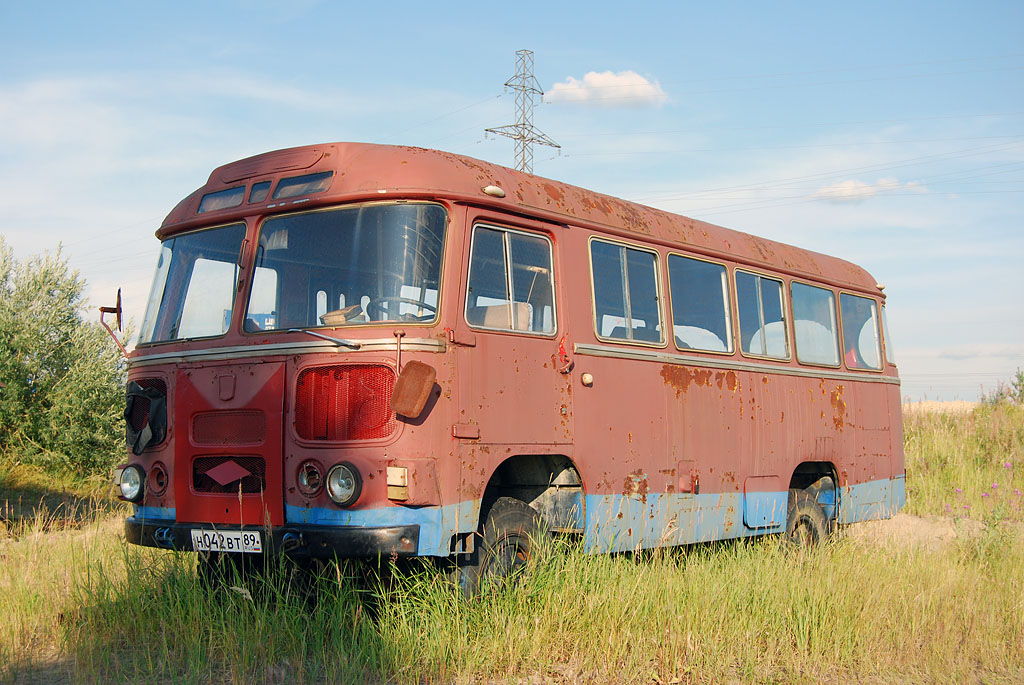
[[857, 191], [608, 89]]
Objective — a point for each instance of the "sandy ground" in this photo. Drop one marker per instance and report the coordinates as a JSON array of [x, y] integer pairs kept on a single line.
[[956, 407], [906, 529]]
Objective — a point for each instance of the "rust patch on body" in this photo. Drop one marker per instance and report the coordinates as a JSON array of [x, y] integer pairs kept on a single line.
[[680, 377], [732, 381], [554, 192], [839, 404], [635, 485]]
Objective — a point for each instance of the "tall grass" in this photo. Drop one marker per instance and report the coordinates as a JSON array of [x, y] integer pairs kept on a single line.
[[82, 605], [966, 464]]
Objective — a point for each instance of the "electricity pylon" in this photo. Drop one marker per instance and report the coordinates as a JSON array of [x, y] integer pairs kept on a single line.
[[523, 131]]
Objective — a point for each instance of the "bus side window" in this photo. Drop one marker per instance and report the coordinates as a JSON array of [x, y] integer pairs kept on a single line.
[[503, 262], [262, 313], [861, 348], [890, 354], [762, 315], [700, 304], [814, 325], [625, 283]]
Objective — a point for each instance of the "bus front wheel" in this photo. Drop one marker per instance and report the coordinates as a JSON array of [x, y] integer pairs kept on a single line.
[[509, 540], [806, 523]]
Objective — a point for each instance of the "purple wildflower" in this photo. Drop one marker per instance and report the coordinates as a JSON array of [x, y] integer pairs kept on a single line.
[[995, 485], [1007, 465], [959, 490], [984, 494], [967, 506]]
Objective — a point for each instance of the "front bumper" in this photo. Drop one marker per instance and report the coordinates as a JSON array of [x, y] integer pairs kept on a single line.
[[298, 541]]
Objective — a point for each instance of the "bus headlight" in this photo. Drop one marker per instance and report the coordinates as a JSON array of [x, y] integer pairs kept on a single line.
[[344, 484], [132, 479], [309, 478]]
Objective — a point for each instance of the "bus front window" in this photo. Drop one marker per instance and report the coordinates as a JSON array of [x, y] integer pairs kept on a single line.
[[194, 287], [348, 266]]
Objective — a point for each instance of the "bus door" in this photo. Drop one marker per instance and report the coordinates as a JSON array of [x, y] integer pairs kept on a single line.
[[228, 422], [513, 376], [628, 406]]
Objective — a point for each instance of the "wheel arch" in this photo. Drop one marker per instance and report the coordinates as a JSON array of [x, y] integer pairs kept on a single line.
[[821, 480], [549, 483]]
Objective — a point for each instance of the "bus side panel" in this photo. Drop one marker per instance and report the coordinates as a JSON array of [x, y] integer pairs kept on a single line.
[[868, 468]]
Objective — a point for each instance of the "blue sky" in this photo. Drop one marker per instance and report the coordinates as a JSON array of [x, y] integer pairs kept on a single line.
[[890, 134]]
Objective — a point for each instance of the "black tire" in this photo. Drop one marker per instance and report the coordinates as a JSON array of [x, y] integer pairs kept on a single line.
[[806, 523], [505, 547]]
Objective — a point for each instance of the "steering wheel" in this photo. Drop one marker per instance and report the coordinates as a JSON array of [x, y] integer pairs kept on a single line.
[[377, 313]]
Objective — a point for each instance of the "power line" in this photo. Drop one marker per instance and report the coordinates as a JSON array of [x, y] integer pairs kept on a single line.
[[523, 132], [896, 164]]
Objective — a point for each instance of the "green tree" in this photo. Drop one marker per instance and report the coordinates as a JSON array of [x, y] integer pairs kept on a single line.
[[63, 376]]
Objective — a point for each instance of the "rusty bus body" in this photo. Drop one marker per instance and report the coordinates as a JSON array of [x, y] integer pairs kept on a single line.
[[574, 371]]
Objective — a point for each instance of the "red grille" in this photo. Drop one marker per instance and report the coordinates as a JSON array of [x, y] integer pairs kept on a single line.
[[226, 474], [344, 402], [140, 409], [229, 428]]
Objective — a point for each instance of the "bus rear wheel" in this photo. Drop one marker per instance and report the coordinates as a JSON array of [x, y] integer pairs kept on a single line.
[[806, 523], [511, 533]]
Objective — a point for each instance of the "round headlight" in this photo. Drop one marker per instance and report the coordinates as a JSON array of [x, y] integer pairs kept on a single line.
[[158, 479], [310, 478], [132, 479], [344, 484]]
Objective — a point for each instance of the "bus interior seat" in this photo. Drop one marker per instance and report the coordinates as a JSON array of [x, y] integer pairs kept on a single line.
[[496, 316], [639, 334], [646, 334]]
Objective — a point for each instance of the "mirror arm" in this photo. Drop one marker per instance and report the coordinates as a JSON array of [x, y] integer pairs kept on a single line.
[[116, 311]]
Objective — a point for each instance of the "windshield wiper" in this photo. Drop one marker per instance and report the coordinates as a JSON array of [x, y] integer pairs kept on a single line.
[[336, 341]]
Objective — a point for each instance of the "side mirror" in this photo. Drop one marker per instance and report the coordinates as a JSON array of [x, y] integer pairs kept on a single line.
[[412, 389], [116, 311]]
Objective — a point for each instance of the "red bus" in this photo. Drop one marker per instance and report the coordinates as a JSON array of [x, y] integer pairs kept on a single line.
[[356, 350]]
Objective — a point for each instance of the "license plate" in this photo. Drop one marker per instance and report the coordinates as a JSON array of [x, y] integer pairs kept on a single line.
[[239, 541]]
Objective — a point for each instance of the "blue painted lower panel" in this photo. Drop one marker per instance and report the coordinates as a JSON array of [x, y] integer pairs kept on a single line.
[[437, 524], [877, 499], [613, 523], [154, 513], [617, 523]]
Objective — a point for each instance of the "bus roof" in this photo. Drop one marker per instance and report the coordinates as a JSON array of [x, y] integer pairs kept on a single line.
[[364, 171]]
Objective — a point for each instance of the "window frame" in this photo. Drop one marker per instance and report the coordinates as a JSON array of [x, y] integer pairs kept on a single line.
[[251, 264], [729, 314], [241, 271], [837, 335], [659, 294], [506, 248], [882, 361], [890, 358], [786, 314]]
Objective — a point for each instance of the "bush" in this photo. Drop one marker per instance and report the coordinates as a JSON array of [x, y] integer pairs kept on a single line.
[[63, 376], [1012, 392]]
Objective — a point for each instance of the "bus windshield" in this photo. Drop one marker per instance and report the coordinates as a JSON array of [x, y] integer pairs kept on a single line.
[[348, 266], [194, 287]]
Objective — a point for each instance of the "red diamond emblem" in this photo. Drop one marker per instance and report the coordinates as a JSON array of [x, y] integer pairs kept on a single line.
[[228, 472]]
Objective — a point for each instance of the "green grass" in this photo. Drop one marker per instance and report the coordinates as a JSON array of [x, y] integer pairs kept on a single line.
[[84, 606], [966, 464]]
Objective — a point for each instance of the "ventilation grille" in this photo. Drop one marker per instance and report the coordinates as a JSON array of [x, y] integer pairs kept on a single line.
[[140, 409], [229, 428], [224, 475], [345, 402]]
